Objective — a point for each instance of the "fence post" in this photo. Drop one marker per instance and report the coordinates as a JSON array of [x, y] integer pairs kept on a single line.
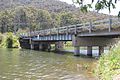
[[57, 33], [50, 34], [90, 27], [44, 34], [67, 30], [110, 24], [75, 29]]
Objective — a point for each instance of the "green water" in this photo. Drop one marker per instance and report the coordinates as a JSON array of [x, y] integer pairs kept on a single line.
[[24, 64]]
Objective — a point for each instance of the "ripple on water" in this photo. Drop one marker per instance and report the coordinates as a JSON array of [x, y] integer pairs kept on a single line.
[[34, 65]]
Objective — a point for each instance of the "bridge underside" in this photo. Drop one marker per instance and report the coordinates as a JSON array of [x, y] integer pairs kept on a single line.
[[52, 38]]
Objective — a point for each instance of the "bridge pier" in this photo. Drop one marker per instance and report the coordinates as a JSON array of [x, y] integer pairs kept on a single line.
[[49, 47], [44, 46], [89, 51], [40, 46], [32, 46], [77, 51]]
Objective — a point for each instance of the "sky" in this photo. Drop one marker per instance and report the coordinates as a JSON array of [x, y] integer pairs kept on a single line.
[[105, 11]]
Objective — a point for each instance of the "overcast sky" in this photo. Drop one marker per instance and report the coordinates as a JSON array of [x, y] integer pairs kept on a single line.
[[113, 12]]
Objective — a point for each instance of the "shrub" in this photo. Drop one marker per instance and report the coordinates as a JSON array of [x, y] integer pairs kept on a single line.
[[109, 64], [9, 40]]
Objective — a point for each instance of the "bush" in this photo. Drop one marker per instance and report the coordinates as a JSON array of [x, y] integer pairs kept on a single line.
[[9, 40], [109, 64]]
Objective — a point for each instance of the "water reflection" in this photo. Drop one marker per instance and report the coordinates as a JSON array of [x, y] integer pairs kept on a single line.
[[35, 65]]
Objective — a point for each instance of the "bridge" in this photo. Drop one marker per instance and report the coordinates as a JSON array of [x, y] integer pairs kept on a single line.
[[99, 33]]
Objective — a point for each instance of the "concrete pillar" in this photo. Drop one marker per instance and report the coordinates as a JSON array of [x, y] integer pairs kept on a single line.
[[89, 50], [32, 46], [101, 50], [44, 46], [76, 51], [49, 47], [40, 47]]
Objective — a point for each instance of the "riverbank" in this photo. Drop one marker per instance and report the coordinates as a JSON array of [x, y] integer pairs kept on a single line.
[[108, 67]]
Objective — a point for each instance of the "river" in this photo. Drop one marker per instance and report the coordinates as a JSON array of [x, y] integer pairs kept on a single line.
[[21, 64]]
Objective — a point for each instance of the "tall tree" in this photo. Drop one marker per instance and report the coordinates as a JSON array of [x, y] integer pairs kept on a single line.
[[6, 21], [44, 19], [66, 19], [99, 4]]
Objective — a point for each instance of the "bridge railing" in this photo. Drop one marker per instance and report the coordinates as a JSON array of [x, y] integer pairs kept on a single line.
[[88, 27]]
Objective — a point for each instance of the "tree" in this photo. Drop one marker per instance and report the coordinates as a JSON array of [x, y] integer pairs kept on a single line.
[[20, 18], [66, 19], [55, 20], [31, 13], [44, 19], [99, 4], [6, 21]]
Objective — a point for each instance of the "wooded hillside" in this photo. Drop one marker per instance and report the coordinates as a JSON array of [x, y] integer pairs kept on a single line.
[[41, 14]]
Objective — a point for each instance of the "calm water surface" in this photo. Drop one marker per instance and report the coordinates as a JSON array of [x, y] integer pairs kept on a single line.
[[23, 64]]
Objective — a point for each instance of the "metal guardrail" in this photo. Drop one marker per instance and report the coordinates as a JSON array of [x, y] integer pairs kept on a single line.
[[74, 29]]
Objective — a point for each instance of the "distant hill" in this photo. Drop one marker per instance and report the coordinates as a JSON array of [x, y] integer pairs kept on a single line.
[[50, 5], [55, 6]]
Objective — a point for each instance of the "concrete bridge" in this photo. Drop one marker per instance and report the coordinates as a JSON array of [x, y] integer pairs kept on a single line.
[[99, 33]]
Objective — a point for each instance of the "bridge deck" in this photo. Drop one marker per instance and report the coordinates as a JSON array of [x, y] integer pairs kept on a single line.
[[100, 34], [88, 29]]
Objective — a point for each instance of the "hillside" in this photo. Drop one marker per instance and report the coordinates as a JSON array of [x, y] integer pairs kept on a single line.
[[41, 14], [51, 6]]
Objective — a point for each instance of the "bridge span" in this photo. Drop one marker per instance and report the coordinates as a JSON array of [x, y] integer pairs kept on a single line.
[[99, 33]]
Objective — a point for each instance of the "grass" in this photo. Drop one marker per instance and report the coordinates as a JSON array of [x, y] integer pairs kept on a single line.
[[109, 64]]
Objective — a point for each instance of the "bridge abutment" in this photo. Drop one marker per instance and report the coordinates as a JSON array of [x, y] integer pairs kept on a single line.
[[90, 42]]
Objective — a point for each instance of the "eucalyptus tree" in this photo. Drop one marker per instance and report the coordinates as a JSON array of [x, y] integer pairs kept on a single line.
[[99, 4], [67, 18], [55, 20], [20, 19], [6, 21], [44, 19], [26, 17], [31, 13]]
